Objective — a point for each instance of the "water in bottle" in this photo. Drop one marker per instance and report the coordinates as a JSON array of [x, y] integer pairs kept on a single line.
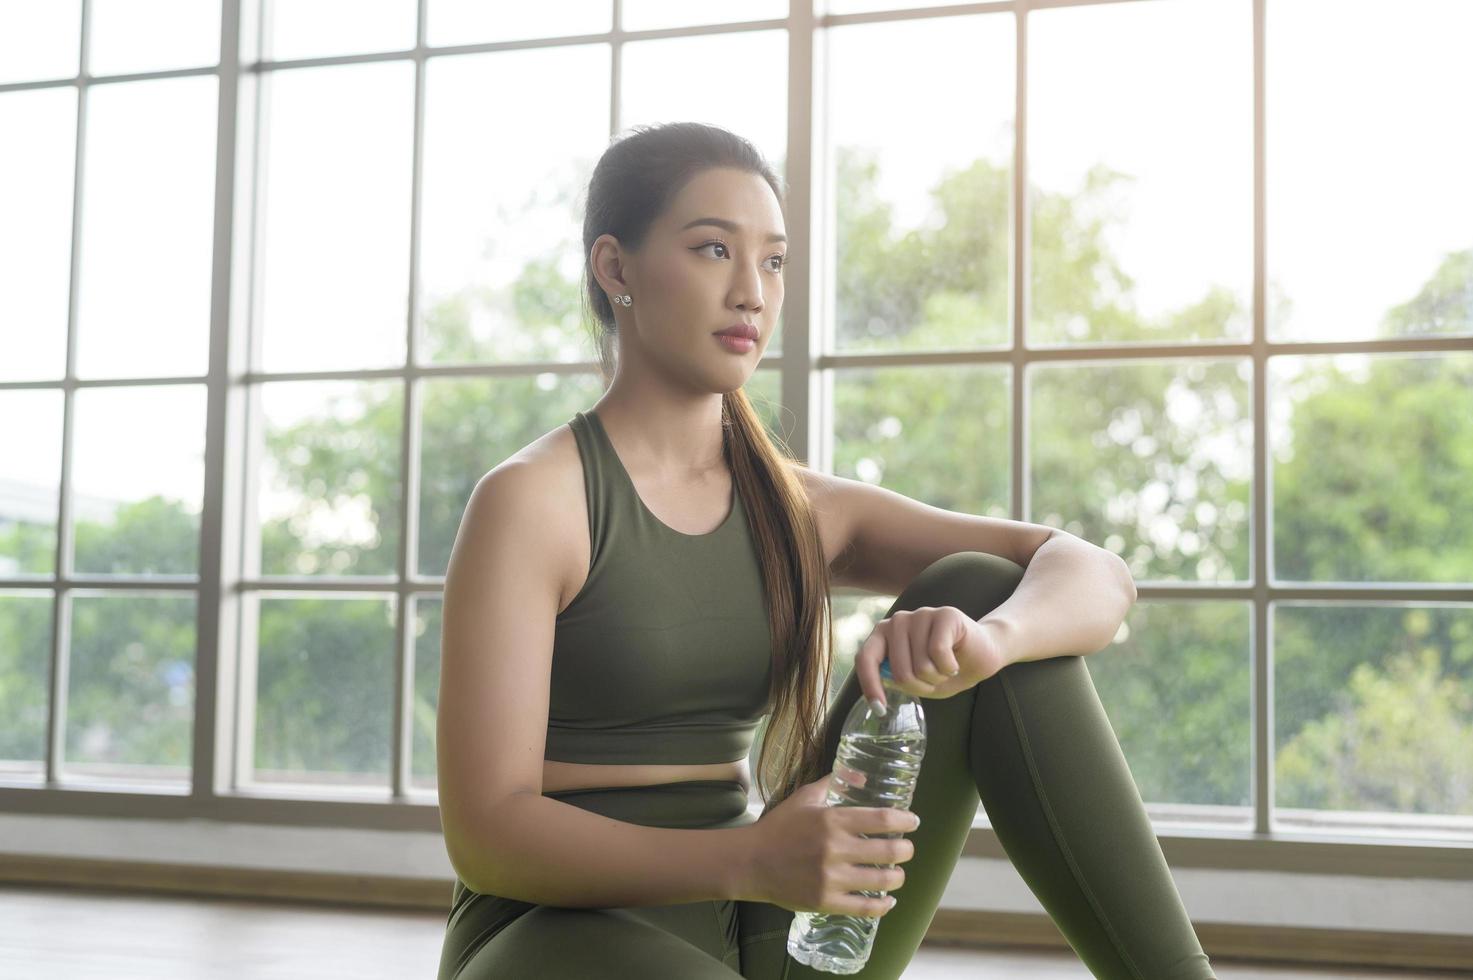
[[878, 760]]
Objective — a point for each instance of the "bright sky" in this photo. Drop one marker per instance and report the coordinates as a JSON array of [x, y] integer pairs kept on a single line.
[[1367, 187]]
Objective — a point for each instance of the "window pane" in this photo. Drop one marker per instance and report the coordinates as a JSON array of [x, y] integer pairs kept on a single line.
[[866, 6], [335, 246], [1178, 688], [130, 691], [1373, 715], [324, 691], [471, 425], [501, 245], [328, 28], [935, 434], [1141, 190], [650, 15], [764, 390], [30, 478], [1152, 460], [424, 773], [477, 22], [152, 35], [139, 479], [921, 121], [330, 478], [672, 79], [25, 663], [1371, 463], [147, 229], [39, 40], [1369, 207], [36, 231]]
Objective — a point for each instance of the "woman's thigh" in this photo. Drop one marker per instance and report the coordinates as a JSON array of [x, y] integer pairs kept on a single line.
[[618, 944], [489, 936]]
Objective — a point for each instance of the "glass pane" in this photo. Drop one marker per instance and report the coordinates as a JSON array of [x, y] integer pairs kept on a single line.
[[424, 773], [30, 481], [1370, 209], [36, 231], [477, 22], [935, 434], [673, 79], [651, 15], [1177, 684], [1152, 460], [328, 28], [139, 479], [152, 35], [25, 666], [335, 249], [501, 248], [1141, 193], [324, 691], [921, 170], [821, 7], [1371, 463], [130, 692], [147, 229], [471, 425], [39, 40], [1373, 716], [330, 477], [764, 391]]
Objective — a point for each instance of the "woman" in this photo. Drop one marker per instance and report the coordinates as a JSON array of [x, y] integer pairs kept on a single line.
[[621, 845]]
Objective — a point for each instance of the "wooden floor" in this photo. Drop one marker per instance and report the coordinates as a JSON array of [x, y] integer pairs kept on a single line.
[[87, 935]]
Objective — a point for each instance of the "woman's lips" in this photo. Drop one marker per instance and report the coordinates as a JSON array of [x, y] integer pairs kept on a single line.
[[735, 343]]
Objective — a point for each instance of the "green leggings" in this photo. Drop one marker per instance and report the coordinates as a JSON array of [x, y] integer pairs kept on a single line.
[[1032, 742]]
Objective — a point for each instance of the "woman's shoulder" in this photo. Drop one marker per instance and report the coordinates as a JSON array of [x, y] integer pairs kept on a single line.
[[553, 458], [554, 471]]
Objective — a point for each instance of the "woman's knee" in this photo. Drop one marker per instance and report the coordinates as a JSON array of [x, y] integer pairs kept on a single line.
[[973, 581]]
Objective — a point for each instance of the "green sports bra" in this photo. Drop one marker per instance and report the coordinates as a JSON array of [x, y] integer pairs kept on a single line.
[[664, 655]]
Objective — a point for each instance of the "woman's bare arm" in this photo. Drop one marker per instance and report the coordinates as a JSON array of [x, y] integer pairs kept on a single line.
[[548, 852]]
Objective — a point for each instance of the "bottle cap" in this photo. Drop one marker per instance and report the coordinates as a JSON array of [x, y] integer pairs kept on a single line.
[[885, 670]]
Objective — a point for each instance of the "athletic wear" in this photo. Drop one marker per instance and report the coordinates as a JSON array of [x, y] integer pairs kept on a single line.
[[664, 656], [1032, 743]]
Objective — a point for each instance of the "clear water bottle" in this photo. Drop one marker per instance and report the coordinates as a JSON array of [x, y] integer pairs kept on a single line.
[[878, 760]]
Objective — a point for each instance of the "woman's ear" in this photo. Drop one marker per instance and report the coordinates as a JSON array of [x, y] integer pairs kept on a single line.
[[608, 264]]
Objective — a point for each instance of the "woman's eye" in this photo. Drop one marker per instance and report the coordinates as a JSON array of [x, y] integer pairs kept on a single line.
[[782, 259]]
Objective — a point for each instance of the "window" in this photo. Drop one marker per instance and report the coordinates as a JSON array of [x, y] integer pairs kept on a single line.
[[269, 317]]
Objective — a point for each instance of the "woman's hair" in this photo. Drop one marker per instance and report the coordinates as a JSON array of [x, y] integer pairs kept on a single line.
[[634, 181]]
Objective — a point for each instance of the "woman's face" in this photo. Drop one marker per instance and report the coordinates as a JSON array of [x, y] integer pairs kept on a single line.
[[692, 279]]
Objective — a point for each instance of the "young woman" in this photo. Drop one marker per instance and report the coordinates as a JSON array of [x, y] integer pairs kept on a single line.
[[630, 595]]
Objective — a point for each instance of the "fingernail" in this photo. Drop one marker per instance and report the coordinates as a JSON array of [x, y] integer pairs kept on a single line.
[[878, 705]]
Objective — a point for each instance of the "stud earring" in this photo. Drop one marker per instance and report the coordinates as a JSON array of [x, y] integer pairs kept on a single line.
[[623, 300]]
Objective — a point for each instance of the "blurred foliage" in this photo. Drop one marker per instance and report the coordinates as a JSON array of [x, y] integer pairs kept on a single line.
[[1151, 459]]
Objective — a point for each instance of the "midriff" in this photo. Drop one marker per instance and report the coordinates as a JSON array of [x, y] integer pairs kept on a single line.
[[578, 775]]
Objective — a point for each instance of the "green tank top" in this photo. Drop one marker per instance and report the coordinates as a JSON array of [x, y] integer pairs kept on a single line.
[[663, 657]]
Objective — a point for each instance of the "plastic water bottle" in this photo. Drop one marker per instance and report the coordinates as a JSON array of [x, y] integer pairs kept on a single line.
[[878, 760]]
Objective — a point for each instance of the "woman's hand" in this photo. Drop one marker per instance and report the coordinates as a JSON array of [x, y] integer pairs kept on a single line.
[[934, 652], [807, 856]]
